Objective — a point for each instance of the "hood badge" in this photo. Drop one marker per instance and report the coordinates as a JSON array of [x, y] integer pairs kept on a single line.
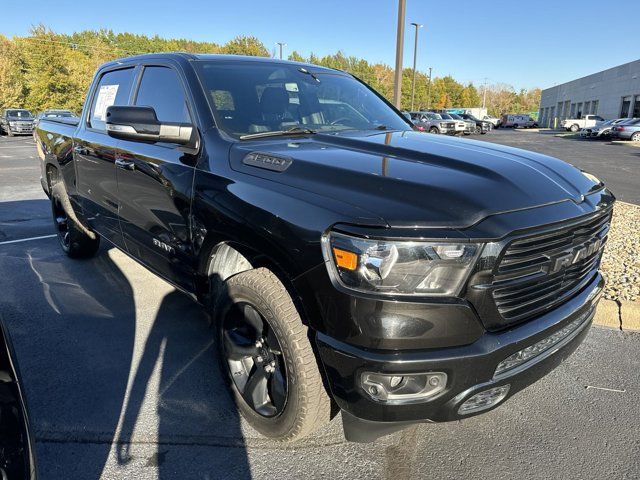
[[267, 161]]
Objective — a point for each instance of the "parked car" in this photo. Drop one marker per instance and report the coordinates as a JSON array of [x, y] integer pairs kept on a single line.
[[601, 130], [433, 123], [347, 262], [17, 453], [492, 120], [459, 126], [518, 121], [629, 130], [16, 121], [575, 124], [469, 126], [481, 127]]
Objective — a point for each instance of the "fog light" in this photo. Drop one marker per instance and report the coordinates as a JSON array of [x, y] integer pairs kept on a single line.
[[409, 388], [483, 400]]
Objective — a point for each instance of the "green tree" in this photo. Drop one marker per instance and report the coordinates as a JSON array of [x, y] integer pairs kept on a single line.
[[13, 88], [243, 45]]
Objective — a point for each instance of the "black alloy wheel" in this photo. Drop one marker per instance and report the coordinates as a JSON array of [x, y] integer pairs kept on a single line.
[[254, 360]]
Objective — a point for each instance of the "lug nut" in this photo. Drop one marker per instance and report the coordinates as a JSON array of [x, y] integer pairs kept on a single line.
[[259, 359], [259, 343]]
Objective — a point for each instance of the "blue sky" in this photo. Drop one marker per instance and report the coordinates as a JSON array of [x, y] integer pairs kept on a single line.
[[525, 44]]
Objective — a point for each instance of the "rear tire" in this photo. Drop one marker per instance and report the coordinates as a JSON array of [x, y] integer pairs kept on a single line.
[[258, 325], [73, 241], [574, 128], [478, 130]]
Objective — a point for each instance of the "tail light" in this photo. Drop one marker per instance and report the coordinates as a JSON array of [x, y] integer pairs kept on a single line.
[[420, 128], [620, 129]]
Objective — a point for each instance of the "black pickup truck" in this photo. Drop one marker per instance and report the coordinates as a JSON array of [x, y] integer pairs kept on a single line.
[[346, 260]]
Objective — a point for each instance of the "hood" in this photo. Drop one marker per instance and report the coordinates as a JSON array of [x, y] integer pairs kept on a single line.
[[412, 179]]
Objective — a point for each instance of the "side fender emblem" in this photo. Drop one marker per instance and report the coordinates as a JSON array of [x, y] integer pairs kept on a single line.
[[267, 161]]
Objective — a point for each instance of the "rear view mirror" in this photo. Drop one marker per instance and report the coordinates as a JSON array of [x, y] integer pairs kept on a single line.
[[141, 124]]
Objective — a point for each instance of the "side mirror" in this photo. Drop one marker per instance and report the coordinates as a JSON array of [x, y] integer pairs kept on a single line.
[[141, 124]]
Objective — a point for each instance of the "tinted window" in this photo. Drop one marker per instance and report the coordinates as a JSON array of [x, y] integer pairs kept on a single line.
[[161, 89], [113, 89]]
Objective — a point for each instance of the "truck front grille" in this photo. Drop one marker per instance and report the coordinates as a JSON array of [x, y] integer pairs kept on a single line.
[[539, 272]]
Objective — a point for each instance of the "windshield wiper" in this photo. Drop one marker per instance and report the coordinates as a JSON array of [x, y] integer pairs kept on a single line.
[[279, 133]]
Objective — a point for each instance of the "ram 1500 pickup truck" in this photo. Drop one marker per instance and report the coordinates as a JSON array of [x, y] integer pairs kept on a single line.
[[346, 260]]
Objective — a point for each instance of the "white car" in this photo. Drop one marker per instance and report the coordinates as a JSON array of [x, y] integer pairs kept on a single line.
[[492, 120], [575, 124]]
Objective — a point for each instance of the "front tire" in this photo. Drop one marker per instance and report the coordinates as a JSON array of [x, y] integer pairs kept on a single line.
[[434, 130], [635, 137], [267, 358], [73, 241]]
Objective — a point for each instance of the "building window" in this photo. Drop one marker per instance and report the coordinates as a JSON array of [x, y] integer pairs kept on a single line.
[[573, 110], [626, 107], [594, 106], [636, 107], [565, 114], [579, 110], [587, 106]]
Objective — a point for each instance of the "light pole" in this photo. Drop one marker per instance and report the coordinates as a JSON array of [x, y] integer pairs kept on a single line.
[[282, 44], [429, 91], [397, 92], [484, 93], [415, 54]]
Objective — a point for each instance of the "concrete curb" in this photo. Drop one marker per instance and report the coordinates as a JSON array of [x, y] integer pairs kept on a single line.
[[623, 315]]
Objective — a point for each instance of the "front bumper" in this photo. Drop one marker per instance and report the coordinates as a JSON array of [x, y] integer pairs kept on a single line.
[[470, 368], [21, 129]]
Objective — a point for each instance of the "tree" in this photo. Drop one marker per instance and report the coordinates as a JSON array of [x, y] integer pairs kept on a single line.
[[13, 89], [242, 45]]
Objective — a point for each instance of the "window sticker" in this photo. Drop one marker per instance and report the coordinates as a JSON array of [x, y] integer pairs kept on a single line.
[[106, 98]]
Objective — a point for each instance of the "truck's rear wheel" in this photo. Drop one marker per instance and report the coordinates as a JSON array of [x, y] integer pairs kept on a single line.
[[574, 128], [74, 242], [267, 358]]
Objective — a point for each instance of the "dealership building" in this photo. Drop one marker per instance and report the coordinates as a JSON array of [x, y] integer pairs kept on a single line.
[[612, 93]]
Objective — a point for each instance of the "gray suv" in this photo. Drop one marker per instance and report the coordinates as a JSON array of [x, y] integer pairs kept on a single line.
[[629, 130], [17, 121]]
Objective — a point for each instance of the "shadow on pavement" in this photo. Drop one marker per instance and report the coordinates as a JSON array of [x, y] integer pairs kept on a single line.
[[107, 375]]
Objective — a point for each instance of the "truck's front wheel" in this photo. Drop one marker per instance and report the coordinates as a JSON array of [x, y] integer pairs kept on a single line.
[[267, 358], [73, 241]]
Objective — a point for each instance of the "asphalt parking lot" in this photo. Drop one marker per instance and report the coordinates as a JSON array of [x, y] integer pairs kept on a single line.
[[121, 379], [615, 163]]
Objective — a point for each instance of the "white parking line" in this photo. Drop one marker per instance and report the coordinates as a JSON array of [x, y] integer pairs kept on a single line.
[[27, 239]]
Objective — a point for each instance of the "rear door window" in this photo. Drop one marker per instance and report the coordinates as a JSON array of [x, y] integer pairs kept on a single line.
[[113, 89]]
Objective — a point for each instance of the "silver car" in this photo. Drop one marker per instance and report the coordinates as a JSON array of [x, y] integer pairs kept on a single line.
[[629, 130], [433, 123], [602, 129]]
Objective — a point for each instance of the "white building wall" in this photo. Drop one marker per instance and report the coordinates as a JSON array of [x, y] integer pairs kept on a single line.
[[608, 88]]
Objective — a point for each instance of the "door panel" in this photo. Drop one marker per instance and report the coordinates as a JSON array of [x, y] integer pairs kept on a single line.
[[155, 183], [154, 190], [94, 154]]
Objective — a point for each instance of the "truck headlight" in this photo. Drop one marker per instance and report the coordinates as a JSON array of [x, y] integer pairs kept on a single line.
[[13, 124], [399, 267]]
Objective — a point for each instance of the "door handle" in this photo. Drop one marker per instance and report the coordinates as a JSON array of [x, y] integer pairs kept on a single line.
[[125, 164]]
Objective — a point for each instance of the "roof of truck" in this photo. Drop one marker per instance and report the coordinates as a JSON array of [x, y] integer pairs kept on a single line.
[[215, 57]]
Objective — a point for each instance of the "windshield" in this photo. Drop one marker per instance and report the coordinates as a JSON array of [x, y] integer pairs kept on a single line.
[[251, 98], [19, 113], [433, 116], [446, 116], [455, 117]]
